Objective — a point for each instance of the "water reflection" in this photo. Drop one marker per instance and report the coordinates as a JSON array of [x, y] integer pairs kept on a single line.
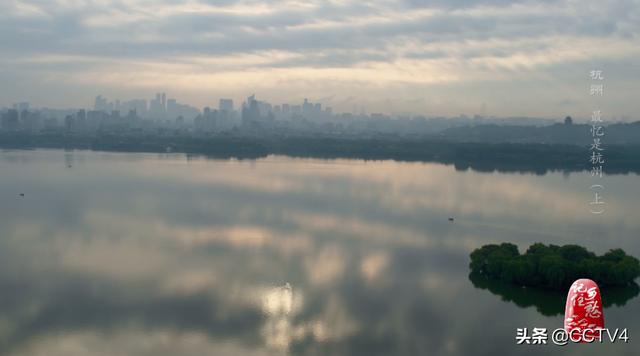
[[547, 302], [140, 254]]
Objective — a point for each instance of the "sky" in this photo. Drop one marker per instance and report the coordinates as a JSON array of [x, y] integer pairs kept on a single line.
[[431, 57]]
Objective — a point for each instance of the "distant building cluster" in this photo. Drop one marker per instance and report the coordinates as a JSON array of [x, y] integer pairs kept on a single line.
[[255, 112], [160, 107], [255, 117], [165, 113], [20, 117]]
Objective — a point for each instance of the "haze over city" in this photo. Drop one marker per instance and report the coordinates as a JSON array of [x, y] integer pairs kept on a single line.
[[490, 57], [319, 177]]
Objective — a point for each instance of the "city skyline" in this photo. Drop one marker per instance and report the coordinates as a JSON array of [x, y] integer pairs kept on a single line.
[[162, 105], [439, 58], [169, 107]]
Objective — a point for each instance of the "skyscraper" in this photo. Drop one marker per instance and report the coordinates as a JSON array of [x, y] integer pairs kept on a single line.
[[158, 106], [250, 110], [307, 107], [226, 105], [172, 108], [101, 104]]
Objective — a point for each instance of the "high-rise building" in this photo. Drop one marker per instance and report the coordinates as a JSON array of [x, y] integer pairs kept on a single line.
[[81, 120], [226, 105], [172, 108], [70, 123], [10, 120], [158, 106], [95, 119], [101, 104], [21, 107], [139, 105], [307, 107], [250, 110]]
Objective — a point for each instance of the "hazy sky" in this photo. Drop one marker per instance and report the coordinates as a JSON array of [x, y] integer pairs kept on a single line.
[[441, 57]]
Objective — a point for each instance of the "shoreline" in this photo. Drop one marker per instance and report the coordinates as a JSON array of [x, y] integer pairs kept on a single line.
[[537, 158]]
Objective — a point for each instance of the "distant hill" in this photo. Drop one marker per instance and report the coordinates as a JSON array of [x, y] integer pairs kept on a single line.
[[614, 134]]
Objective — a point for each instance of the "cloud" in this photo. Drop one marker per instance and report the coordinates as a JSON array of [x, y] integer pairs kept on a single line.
[[151, 45]]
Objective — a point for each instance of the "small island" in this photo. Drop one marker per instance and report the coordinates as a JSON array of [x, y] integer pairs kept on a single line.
[[553, 267]]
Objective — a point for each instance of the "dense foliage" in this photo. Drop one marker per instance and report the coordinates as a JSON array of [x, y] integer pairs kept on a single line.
[[552, 266], [487, 157]]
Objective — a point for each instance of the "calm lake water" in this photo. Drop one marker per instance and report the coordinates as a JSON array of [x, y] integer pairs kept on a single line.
[[146, 254]]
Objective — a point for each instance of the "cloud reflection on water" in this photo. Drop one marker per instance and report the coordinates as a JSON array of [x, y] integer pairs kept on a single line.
[[140, 254]]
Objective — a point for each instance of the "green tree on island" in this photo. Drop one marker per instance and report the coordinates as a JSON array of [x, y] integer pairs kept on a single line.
[[553, 267]]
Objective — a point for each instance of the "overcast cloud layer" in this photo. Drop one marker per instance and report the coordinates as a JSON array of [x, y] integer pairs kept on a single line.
[[443, 57]]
